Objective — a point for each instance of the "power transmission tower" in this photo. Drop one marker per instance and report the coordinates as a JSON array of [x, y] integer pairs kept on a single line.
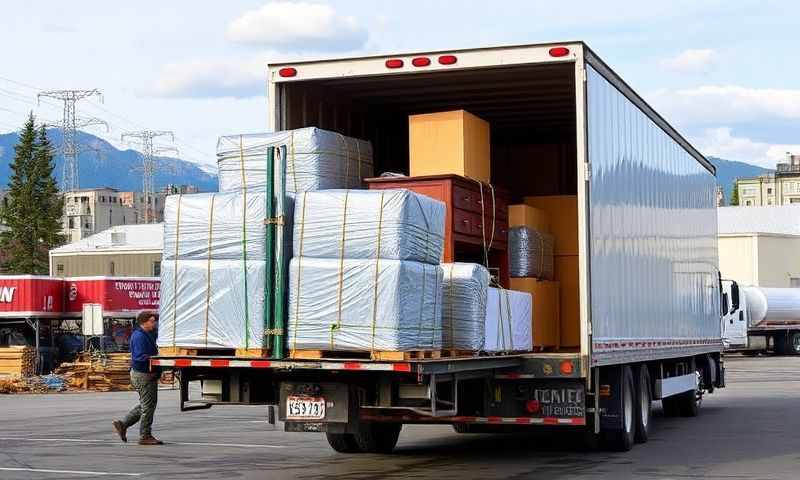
[[149, 152], [69, 125]]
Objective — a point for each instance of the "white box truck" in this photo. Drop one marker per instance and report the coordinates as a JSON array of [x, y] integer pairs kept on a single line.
[[648, 289]]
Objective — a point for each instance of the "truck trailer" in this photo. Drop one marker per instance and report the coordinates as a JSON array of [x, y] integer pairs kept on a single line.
[[647, 325], [760, 320]]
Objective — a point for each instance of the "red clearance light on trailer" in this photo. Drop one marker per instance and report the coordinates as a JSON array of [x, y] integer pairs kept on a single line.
[[447, 59], [566, 367], [559, 52], [287, 72], [421, 62], [532, 406], [394, 63]]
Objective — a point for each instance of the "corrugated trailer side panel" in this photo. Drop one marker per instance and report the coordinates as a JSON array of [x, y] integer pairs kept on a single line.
[[30, 296], [653, 235]]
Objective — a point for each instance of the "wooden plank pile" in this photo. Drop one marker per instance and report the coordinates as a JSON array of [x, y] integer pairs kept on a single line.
[[101, 372], [17, 361]]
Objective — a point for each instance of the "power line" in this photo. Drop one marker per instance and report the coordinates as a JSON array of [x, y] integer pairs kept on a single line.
[[70, 123], [149, 152]]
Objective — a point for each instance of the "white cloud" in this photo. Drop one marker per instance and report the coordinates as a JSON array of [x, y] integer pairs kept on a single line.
[[719, 142], [723, 104], [238, 78], [298, 26], [690, 61]]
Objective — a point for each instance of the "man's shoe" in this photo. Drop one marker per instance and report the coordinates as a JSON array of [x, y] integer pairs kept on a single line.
[[151, 440], [121, 430]]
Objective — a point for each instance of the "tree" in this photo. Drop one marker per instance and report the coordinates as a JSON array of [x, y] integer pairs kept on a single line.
[[32, 207], [735, 194]]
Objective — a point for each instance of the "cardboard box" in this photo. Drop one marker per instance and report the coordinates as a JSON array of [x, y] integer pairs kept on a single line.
[[546, 317], [566, 273], [526, 216], [449, 142], [562, 212]]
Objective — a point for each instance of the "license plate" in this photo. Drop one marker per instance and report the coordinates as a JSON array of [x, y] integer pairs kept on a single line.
[[305, 408]]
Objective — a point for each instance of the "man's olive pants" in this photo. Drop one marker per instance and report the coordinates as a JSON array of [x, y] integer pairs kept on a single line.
[[147, 386]]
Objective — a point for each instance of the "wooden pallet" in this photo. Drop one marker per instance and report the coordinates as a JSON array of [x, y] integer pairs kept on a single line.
[[386, 356], [219, 352]]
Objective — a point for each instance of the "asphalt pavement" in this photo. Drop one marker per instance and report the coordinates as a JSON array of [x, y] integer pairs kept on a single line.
[[749, 430]]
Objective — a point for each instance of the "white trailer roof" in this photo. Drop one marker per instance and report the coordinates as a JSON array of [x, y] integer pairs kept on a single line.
[[127, 239], [772, 219]]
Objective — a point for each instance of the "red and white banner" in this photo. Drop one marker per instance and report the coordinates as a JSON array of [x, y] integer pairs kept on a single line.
[[27, 296], [119, 296]]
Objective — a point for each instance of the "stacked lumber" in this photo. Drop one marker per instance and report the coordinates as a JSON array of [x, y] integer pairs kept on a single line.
[[99, 373], [42, 384], [17, 361]]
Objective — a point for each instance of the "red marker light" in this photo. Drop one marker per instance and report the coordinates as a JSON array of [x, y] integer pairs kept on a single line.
[[447, 59], [532, 406], [566, 367], [559, 52], [394, 63], [287, 72], [421, 62]]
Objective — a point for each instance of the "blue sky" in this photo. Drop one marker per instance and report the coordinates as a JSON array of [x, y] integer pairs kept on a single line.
[[724, 72]]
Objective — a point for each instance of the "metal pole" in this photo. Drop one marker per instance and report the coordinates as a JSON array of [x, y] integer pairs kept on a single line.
[[269, 254], [279, 319], [36, 359]]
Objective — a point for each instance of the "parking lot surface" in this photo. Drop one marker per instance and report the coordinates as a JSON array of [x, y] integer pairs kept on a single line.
[[747, 431]]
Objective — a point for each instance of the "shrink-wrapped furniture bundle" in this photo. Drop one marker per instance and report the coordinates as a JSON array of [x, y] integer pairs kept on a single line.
[[530, 253], [392, 224], [464, 290], [508, 321], [365, 274], [316, 159], [213, 271], [364, 304]]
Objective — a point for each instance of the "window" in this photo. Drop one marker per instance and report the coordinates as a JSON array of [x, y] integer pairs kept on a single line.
[[794, 200], [60, 269], [71, 222], [769, 202], [769, 190], [157, 268], [748, 203], [749, 191], [102, 199], [111, 269]]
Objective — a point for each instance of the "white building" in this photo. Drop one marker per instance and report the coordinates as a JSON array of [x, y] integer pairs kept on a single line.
[[760, 245], [92, 210], [779, 188]]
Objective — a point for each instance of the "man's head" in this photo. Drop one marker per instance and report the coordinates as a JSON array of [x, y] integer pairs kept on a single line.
[[147, 321]]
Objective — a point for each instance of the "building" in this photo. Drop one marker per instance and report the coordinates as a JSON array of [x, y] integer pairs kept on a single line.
[[720, 197], [91, 210], [760, 245], [173, 189], [779, 188], [121, 251], [136, 201]]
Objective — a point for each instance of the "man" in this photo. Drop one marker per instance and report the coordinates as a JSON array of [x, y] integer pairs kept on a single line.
[[143, 346]]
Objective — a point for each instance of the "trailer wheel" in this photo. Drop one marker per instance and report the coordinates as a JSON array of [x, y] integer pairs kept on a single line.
[[342, 442], [376, 437], [622, 440], [644, 404]]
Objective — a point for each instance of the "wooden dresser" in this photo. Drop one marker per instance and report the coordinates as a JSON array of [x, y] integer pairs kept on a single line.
[[467, 213]]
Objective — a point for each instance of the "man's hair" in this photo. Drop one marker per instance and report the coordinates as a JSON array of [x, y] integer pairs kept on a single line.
[[144, 316]]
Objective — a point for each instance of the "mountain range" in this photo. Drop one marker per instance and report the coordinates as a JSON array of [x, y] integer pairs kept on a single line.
[[107, 166], [104, 165]]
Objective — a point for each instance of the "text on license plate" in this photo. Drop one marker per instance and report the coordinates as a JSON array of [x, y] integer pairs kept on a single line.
[[305, 408]]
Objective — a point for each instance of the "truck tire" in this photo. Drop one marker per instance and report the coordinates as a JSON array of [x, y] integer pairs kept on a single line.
[[643, 404], [622, 440], [376, 437], [342, 442]]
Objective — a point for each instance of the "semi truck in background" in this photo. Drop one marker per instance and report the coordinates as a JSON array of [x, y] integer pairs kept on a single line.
[[760, 320], [647, 318]]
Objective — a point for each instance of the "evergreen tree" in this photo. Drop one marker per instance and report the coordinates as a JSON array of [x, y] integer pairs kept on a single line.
[[735, 194], [32, 207]]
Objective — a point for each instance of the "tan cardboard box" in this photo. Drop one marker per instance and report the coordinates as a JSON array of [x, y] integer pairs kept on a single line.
[[526, 216], [562, 212], [449, 142], [566, 272], [546, 316]]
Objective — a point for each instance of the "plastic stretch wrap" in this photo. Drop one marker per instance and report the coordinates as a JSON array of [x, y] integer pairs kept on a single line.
[[315, 160], [464, 289], [214, 225], [363, 224], [211, 303], [530, 253], [508, 321], [364, 305]]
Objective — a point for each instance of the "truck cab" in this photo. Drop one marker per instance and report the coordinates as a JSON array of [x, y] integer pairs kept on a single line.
[[734, 316]]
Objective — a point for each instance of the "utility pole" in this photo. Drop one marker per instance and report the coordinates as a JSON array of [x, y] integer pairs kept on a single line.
[[149, 152], [69, 125]]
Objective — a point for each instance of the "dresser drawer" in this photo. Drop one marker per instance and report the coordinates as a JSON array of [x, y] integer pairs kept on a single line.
[[466, 223]]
